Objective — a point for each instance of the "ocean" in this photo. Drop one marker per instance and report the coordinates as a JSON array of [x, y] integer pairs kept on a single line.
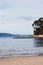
[[20, 47]]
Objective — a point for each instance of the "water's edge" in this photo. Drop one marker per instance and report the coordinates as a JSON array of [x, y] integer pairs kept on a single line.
[[21, 52]]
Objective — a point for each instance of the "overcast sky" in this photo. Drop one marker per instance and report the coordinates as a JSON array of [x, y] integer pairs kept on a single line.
[[17, 16]]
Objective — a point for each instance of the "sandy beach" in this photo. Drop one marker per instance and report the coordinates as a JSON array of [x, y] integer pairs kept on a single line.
[[37, 60]]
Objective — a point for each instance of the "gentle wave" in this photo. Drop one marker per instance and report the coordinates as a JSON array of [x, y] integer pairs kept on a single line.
[[21, 52]]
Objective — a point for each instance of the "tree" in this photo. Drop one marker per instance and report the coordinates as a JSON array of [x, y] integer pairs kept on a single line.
[[38, 26]]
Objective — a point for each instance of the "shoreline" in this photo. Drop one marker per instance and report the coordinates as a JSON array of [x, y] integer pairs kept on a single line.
[[29, 37]]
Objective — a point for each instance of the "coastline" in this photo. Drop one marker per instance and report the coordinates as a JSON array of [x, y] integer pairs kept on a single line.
[[36, 60], [38, 36], [29, 37]]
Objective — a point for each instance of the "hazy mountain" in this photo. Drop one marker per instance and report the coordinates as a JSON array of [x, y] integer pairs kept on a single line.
[[15, 36], [7, 35]]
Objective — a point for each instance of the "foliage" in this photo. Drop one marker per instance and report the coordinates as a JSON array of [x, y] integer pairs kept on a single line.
[[38, 22]]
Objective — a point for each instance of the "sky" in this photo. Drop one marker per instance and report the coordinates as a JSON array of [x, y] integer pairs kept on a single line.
[[17, 16]]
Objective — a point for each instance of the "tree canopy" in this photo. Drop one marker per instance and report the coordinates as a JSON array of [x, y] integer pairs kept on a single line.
[[38, 22]]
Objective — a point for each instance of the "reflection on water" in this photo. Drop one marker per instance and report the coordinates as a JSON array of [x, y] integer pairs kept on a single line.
[[38, 42], [9, 43]]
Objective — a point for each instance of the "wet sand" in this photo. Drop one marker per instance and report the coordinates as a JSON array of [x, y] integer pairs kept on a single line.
[[37, 60]]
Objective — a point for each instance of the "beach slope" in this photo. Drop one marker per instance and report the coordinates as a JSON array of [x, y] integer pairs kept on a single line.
[[37, 60]]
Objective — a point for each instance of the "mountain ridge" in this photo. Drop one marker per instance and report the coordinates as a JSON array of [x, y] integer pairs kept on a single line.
[[15, 36], [8, 35]]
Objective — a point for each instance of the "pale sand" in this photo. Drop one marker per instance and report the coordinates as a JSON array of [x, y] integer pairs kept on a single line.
[[38, 60]]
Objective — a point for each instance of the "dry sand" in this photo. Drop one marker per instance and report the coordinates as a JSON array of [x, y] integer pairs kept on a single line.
[[38, 60]]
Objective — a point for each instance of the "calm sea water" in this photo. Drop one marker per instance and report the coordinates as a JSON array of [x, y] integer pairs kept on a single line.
[[20, 47]]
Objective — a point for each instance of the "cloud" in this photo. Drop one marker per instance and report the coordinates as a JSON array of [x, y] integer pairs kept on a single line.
[[6, 6], [2, 16], [28, 18], [7, 1]]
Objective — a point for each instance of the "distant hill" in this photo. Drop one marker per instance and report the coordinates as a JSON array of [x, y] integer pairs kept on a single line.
[[7, 35], [15, 36]]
